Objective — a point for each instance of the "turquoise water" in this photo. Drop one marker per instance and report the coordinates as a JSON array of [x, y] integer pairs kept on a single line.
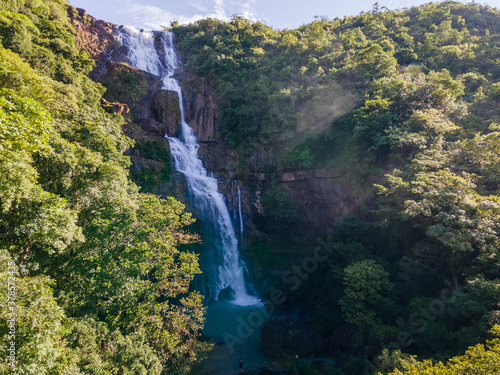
[[236, 329]]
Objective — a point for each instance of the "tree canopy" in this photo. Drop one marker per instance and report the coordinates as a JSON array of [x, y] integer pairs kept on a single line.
[[101, 285]]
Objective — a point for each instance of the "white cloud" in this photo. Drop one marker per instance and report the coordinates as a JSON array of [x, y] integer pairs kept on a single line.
[[153, 17]]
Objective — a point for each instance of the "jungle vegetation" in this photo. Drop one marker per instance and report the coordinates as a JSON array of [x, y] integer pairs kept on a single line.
[[99, 282], [404, 101]]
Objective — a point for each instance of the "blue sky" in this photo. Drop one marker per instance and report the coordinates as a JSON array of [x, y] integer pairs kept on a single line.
[[276, 13]]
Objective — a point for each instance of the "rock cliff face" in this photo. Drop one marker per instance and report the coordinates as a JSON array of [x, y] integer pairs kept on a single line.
[[97, 37], [320, 195]]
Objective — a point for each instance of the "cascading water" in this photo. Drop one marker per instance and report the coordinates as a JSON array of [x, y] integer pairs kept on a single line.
[[221, 265], [233, 200], [237, 211], [239, 208]]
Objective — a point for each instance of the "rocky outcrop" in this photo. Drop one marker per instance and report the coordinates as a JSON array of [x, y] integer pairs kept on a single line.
[[200, 109], [120, 108], [321, 196], [151, 126], [202, 115], [165, 109], [97, 37]]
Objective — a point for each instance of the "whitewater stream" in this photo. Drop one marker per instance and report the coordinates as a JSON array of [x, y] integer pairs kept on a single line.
[[221, 264]]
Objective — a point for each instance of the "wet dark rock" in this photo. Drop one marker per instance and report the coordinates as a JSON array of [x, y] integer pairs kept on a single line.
[[226, 294], [165, 107], [151, 126]]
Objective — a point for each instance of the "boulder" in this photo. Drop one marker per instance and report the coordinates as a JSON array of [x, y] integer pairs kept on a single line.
[[113, 107], [151, 126], [165, 107], [226, 294]]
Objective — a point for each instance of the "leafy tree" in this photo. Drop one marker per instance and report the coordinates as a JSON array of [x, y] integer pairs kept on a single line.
[[97, 257], [99, 351], [479, 359], [38, 333], [367, 287], [279, 210], [31, 217], [447, 206]]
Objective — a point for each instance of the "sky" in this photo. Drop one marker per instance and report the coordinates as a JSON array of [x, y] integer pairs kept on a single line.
[[280, 14]]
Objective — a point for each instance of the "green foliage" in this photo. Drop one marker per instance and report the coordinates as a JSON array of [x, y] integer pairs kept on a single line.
[[422, 100], [150, 178], [367, 286], [153, 149], [41, 221], [39, 324], [24, 129], [31, 218], [480, 359], [140, 280], [101, 285], [99, 351], [24, 124], [279, 210]]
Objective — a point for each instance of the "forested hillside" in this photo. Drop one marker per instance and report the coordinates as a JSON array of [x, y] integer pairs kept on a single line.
[[92, 266], [404, 104]]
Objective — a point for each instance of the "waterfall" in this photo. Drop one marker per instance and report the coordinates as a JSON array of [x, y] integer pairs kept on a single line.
[[233, 200], [223, 270], [239, 208]]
